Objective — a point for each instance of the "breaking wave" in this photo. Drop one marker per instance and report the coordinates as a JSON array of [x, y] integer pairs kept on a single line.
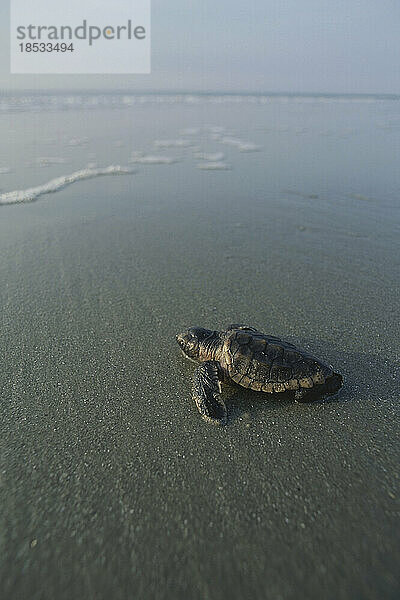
[[31, 194], [14, 102]]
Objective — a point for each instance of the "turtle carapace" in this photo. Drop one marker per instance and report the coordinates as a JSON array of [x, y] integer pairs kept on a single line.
[[254, 360]]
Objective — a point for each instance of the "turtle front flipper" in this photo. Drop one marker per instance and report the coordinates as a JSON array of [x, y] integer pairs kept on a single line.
[[206, 393]]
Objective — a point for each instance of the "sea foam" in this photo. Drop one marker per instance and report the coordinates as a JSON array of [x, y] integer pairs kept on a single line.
[[149, 159], [59, 183], [210, 157], [48, 161], [239, 144], [78, 141], [179, 143], [213, 166], [52, 102]]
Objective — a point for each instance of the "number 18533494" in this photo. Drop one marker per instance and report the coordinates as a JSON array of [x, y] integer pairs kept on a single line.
[[46, 47]]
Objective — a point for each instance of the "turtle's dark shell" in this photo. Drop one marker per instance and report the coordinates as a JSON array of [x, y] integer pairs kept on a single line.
[[266, 363]]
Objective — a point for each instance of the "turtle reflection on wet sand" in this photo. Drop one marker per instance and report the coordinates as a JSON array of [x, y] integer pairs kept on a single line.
[[254, 360]]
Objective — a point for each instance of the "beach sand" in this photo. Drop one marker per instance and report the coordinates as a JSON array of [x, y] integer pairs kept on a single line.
[[111, 484]]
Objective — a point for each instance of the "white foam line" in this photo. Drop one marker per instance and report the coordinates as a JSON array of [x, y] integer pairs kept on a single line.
[[78, 141], [59, 183], [5, 170], [213, 166], [230, 141], [49, 102], [180, 143], [239, 144], [47, 161], [149, 159], [248, 147], [210, 157]]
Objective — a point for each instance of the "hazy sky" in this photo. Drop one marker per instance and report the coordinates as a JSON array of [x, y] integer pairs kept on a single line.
[[344, 46]]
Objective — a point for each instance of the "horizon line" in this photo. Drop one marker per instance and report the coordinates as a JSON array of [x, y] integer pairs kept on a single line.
[[188, 92]]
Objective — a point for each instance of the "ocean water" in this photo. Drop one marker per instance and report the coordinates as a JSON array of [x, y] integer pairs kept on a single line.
[[43, 136], [317, 175], [278, 211]]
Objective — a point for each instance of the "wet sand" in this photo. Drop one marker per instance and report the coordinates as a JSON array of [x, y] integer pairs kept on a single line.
[[111, 484]]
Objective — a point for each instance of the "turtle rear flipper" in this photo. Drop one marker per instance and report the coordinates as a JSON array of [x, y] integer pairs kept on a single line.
[[332, 384], [206, 393]]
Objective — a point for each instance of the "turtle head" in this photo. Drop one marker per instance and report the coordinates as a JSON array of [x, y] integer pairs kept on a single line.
[[198, 343]]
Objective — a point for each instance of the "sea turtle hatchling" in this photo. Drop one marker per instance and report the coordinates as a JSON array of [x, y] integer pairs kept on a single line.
[[254, 360]]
